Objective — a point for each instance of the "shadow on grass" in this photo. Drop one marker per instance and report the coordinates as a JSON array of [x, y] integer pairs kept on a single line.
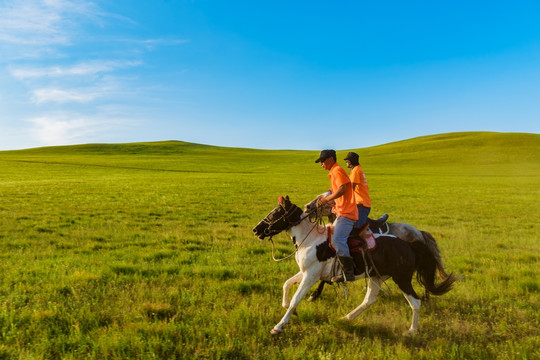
[[369, 332]]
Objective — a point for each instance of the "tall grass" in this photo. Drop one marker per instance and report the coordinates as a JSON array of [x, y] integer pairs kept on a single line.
[[145, 251]]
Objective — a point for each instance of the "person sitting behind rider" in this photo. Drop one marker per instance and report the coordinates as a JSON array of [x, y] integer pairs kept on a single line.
[[360, 188], [345, 208]]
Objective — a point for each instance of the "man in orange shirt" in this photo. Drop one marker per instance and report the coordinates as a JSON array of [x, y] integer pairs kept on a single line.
[[360, 188], [345, 209]]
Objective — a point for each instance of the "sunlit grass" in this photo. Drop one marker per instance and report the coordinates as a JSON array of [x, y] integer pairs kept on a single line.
[[146, 251]]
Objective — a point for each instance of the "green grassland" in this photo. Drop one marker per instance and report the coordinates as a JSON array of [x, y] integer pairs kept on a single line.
[[143, 251]]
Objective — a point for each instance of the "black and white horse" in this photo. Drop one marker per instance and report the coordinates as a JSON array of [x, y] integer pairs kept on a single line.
[[393, 258], [403, 231]]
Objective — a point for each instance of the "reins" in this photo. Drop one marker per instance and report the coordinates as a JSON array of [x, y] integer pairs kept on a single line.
[[297, 247], [318, 221], [374, 268]]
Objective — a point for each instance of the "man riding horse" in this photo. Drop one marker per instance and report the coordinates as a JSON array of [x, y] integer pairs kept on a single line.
[[345, 208]]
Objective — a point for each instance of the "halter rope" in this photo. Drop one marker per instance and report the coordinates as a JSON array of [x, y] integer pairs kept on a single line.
[[318, 220], [298, 247]]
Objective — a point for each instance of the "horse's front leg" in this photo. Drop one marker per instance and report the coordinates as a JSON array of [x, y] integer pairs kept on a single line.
[[287, 287], [308, 280]]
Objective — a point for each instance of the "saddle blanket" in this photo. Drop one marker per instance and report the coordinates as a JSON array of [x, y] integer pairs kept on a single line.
[[357, 241]]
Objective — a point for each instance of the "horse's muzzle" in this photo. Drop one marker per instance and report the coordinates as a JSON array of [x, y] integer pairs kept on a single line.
[[261, 230]]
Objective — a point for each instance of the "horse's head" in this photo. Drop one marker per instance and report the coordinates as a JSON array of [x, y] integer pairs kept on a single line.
[[313, 208], [282, 218]]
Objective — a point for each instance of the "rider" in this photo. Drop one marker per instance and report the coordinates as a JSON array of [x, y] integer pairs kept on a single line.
[[345, 209], [360, 188]]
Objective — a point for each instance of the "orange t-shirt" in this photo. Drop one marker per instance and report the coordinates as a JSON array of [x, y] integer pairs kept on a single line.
[[345, 205], [361, 190]]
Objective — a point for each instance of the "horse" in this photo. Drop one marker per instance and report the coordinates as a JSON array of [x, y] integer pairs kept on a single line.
[[392, 258], [401, 230]]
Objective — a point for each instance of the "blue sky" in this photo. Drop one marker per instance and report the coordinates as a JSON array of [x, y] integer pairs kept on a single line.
[[271, 75]]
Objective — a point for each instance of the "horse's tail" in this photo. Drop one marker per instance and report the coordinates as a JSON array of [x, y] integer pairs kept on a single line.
[[426, 265], [434, 249]]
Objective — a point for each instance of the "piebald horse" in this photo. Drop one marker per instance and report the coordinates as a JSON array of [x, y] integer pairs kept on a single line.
[[393, 258], [402, 230]]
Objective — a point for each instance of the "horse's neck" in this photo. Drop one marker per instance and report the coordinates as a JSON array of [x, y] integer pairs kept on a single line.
[[306, 233]]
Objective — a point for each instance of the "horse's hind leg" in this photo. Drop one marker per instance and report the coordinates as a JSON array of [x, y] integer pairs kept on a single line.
[[317, 293], [373, 287], [415, 303], [413, 300]]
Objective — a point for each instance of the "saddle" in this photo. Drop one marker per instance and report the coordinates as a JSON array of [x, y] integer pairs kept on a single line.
[[360, 239]]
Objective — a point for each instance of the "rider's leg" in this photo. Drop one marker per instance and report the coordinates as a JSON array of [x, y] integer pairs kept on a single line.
[[363, 213], [342, 229]]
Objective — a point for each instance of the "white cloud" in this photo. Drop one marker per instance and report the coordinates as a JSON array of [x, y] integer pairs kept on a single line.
[[84, 68], [42, 23], [45, 46], [50, 130], [150, 44], [33, 28], [41, 96], [64, 129]]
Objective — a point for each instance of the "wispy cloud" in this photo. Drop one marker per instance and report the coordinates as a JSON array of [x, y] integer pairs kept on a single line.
[[60, 129], [45, 46], [33, 28], [60, 96], [151, 44], [42, 23], [63, 128], [84, 68]]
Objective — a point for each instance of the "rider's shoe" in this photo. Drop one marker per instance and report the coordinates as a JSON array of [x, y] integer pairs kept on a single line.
[[347, 264], [375, 225]]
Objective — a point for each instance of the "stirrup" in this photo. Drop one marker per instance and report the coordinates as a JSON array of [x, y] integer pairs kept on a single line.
[[341, 279]]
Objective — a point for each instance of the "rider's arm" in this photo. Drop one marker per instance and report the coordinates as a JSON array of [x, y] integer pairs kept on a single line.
[[339, 193]]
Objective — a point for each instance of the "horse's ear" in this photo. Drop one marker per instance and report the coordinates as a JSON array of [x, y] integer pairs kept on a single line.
[[287, 198], [281, 199]]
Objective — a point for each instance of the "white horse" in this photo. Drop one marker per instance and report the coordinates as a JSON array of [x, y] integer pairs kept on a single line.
[[392, 258]]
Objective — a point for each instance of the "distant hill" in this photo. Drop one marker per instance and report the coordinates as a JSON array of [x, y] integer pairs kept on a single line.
[[470, 151], [462, 150], [145, 148]]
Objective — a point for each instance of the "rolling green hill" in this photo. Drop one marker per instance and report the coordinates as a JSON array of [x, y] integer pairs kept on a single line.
[[484, 151], [462, 149], [474, 152]]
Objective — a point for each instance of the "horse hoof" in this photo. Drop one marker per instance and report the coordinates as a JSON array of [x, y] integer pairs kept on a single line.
[[410, 333], [275, 332]]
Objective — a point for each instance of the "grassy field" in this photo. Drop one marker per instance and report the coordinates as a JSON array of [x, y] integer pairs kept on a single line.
[[145, 251]]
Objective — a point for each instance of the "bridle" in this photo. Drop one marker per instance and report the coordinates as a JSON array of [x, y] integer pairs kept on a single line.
[[288, 217]]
